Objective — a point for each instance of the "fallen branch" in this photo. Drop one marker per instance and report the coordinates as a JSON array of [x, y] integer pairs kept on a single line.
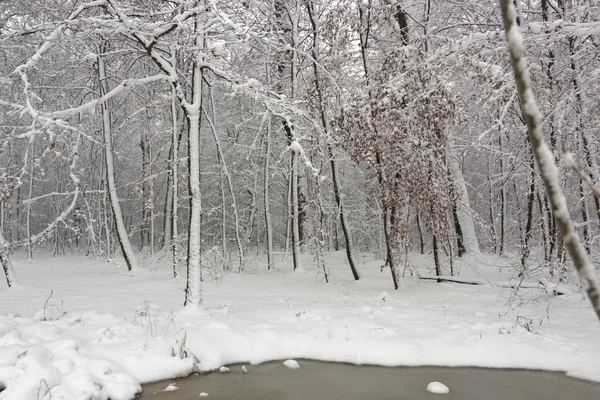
[[523, 285]]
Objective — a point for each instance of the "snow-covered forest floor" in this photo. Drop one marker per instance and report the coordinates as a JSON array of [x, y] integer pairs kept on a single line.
[[77, 327]]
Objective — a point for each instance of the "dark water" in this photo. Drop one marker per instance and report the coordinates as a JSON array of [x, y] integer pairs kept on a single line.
[[333, 381]]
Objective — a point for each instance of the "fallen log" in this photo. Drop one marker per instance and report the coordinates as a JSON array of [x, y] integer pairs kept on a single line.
[[548, 287]]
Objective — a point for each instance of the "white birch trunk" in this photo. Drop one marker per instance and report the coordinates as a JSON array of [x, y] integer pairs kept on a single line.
[[463, 206], [545, 159], [193, 290], [9, 272], [126, 248], [194, 274]]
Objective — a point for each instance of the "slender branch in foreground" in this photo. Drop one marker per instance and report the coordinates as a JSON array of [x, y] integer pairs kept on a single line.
[[570, 161], [544, 158]]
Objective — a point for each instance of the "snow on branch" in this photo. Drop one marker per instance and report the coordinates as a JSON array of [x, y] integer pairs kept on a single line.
[[574, 29], [115, 91], [46, 119], [570, 161]]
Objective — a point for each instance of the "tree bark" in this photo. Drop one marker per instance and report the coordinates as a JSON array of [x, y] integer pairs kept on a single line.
[[295, 225], [146, 198], [502, 198], [421, 239], [7, 267], [267, 197], [584, 217], [530, 200], [28, 215], [543, 226], [492, 219], [436, 257], [193, 289], [174, 210], [462, 208]]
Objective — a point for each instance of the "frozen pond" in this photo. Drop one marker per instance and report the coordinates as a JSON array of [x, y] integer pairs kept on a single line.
[[321, 380]]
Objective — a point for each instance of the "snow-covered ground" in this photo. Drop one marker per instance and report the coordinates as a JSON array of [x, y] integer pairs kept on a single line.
[[77, 328]]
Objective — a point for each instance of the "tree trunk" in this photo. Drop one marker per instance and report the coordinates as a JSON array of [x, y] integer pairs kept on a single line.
[[502, 198], [31, 171], [249, 228], [227, 264], [288, 224], [584, 217], [543, 227], [178, 126], [168, 205], [530, 200], [7, 267], [174, 191], [463, 213], [460, 244], [122, 236], [193, 290], [436, 257], [267, 197], [492, 219], [421, 238], [105, 207], [295, 225], [193, 110], [144, 186], [390, 261]]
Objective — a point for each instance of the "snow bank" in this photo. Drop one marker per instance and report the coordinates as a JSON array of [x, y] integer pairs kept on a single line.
[[38, 361], [83, 354]]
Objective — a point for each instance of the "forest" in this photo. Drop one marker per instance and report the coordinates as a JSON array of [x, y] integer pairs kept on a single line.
[[221, 138], [219, 129]]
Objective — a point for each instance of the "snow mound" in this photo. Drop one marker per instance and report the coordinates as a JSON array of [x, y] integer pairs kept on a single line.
[[171, 388], [203, 394], [38, 360], [291, 364], [437, 388], [223, 370]]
